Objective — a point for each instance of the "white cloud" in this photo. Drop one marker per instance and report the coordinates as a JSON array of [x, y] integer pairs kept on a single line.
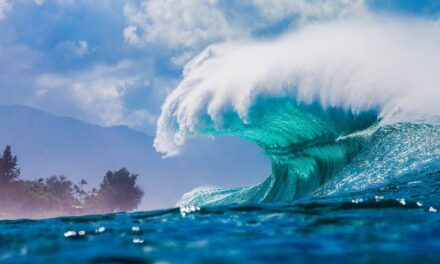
[[5, 7], [131, 35], [192, 23], [76, 48], [98, 94], [185, 23], [306, 9]]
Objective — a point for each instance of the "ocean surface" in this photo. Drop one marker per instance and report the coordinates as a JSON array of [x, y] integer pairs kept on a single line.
[[381, 207], [389, 224]]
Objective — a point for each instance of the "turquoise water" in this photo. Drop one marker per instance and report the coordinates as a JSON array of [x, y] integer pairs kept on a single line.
[[309, 145], [344, 189]]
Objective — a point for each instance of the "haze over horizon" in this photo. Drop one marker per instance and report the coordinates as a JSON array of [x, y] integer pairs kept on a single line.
[[48, 145]]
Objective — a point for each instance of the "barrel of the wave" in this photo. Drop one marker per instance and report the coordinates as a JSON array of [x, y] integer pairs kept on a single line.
[[306, 143]]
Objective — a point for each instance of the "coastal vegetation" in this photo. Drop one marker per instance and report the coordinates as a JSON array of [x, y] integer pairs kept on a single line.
[[57, 195]]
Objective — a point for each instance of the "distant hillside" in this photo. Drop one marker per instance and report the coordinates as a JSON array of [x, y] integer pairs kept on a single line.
[[47, 145]]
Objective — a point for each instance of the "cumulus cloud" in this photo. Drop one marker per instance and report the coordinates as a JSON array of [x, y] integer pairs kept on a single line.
[[184, 23], [97, 93], [193, 23], [5, 7], [131, 35], [73, 48]]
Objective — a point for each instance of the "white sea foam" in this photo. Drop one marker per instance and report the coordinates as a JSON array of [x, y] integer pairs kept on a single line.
[[391, 65]]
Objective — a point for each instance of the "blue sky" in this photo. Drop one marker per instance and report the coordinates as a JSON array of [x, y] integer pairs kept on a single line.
[[113, 62]]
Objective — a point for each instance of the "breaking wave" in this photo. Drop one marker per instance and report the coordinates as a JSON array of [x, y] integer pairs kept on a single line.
[[335, 100]]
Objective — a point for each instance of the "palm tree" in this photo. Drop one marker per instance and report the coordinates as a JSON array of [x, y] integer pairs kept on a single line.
[[81, 183], [8, 166]]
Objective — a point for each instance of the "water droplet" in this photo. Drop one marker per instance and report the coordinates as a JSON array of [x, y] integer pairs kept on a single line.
[[184, 210], [378, 198], [357, 200], [70, 233], [137, 241]]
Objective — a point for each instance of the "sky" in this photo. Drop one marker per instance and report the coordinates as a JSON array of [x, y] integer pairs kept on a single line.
[[114, 62]]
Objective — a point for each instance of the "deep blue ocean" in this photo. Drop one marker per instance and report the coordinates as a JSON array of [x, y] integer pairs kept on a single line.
[[385, 225]]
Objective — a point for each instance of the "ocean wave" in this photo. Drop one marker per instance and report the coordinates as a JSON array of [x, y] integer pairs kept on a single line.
[[312, 99]]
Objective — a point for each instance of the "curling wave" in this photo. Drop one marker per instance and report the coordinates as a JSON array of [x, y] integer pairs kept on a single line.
[[312, 100]]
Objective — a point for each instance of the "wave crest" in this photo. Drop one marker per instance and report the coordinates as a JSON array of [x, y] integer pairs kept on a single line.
[[303, 97]]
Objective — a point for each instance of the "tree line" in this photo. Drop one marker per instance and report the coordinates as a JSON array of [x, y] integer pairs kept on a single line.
[[57, 195]]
